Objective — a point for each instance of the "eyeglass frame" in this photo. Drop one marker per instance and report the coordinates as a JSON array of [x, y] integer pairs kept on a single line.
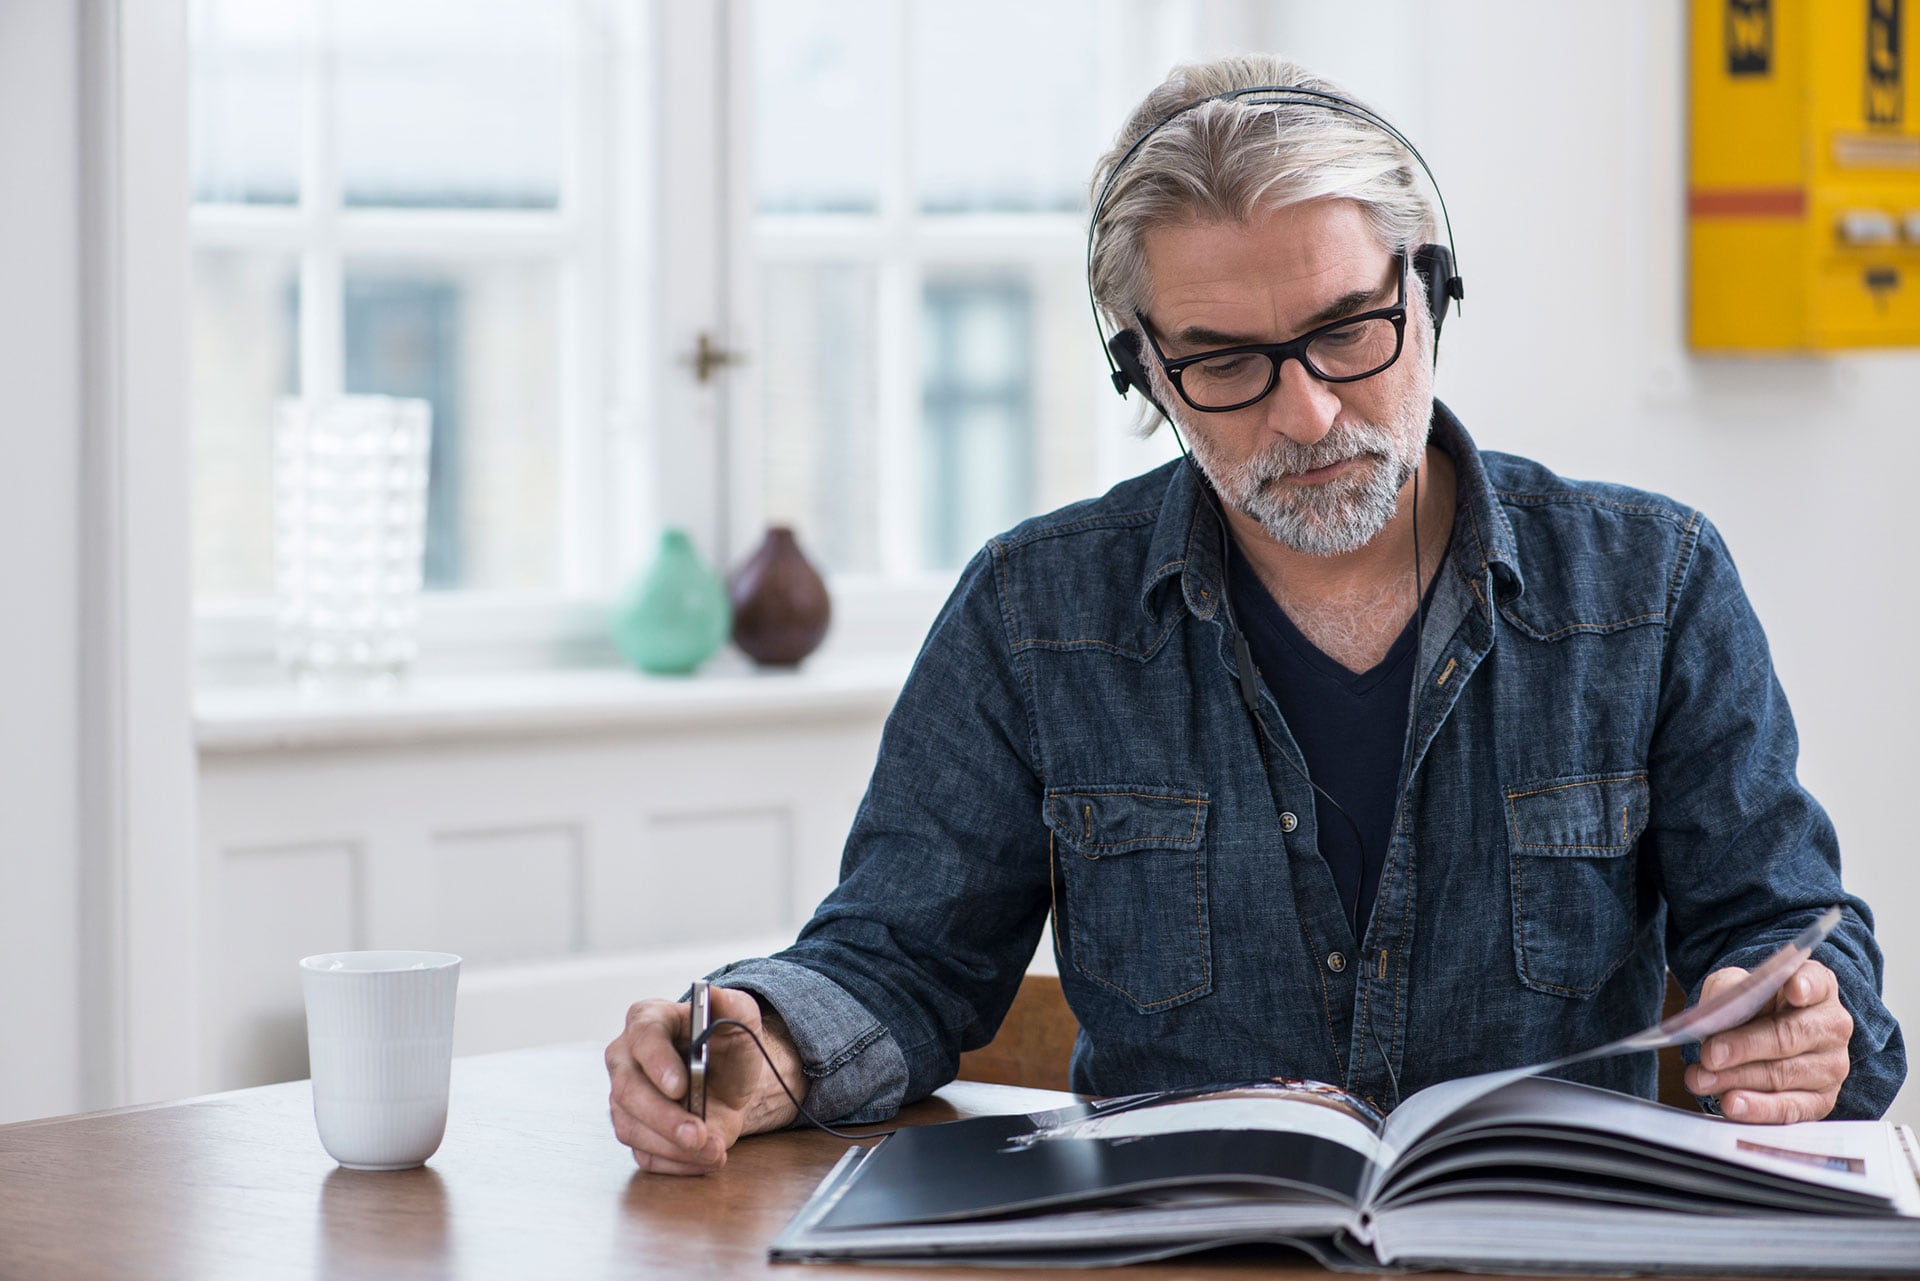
[[1279, 353]]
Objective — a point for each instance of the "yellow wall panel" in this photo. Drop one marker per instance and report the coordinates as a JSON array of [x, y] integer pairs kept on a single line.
[[1804, 185]]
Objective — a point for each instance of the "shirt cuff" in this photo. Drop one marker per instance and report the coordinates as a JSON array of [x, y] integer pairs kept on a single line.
[[855, 1069]]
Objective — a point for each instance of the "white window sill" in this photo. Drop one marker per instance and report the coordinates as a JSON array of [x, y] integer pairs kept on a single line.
[[729, 691]]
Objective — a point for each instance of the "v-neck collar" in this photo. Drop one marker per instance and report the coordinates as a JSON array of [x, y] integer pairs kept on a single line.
[[1358, 684]]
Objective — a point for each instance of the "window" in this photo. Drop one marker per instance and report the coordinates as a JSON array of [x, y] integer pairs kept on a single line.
[[528, 212]]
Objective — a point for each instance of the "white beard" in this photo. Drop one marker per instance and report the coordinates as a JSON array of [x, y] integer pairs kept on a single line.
[[1340, 515]]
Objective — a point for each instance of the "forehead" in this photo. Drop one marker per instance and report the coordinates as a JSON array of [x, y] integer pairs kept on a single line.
[[1264, 277]]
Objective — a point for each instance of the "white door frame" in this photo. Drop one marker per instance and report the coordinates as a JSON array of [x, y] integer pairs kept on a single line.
[[139, 865]]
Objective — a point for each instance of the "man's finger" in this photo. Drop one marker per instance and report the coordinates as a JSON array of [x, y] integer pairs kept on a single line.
[[1811, 984], [1709, 987], [1815, 1072], [668, 1146], [1785, 1035], [662, 1165], [649, 1040], [1775, 1109], [637, 1097]]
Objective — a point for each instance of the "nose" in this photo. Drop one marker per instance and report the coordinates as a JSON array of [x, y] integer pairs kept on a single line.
[[1301, 407]]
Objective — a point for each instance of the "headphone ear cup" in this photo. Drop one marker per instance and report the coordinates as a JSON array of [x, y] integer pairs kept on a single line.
[[1435, 265], [1124, 347]]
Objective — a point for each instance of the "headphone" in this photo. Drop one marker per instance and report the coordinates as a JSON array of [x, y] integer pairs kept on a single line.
[[1435, 263]]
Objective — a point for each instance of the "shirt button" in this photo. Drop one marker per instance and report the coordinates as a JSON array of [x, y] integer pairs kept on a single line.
[[1337, 961], [1288, 822]]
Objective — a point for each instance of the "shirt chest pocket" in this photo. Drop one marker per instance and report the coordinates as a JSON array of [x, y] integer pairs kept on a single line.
[[1574, 889], [1131, 870]]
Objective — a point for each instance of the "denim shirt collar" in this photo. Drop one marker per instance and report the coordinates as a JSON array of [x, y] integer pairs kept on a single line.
[[1186, 536]]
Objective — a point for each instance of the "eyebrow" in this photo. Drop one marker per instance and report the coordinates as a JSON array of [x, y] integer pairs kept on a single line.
[[1346, 304]]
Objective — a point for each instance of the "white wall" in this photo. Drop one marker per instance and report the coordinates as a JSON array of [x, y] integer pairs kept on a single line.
[[40, 552], [1558, 132]]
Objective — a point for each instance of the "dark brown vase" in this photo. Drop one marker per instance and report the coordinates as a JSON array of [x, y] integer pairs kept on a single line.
[[780, 605]]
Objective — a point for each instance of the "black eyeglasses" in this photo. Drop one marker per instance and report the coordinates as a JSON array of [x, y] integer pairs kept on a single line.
[[1345, 351]]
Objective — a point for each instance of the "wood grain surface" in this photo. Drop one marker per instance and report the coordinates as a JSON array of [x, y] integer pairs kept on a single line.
[[529, 1183]]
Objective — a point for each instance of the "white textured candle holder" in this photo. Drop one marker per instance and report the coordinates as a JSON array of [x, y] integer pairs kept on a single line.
[[380, 1041], [350, 512]]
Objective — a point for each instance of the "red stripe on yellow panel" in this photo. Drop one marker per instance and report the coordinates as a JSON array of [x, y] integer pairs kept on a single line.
[[1747, 202]]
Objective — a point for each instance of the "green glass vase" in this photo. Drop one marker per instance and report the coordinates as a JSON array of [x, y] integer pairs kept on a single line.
[[676, 616]]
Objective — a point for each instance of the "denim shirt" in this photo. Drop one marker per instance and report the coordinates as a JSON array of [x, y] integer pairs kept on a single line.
[[1602, 787]]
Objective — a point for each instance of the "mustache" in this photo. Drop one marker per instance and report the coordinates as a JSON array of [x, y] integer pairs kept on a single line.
[[1290, 458]]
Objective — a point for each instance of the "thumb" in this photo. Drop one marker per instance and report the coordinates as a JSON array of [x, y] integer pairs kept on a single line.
[[735, 1003], [1721, 978]]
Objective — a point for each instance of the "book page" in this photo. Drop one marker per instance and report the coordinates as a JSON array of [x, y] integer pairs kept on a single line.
[[988, 1167], [1728, 1008], [1854, 1157], [1281, 1105]]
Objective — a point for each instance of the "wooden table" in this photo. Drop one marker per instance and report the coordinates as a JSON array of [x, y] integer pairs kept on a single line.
[[529, 1183]]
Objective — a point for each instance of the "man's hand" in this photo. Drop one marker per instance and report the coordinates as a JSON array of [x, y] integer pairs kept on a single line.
[[647, 1067], [1787, 1063]]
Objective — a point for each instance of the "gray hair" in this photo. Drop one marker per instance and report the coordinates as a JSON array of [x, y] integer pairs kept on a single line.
[[1224, 160]]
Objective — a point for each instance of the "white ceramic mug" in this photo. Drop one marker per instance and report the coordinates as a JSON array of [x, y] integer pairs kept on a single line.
[[380, 1041]]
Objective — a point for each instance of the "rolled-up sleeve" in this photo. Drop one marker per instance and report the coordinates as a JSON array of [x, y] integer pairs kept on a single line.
[[854, 1069]]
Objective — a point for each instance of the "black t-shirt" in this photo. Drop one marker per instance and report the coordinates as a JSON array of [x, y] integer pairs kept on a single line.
[[1351, 727]]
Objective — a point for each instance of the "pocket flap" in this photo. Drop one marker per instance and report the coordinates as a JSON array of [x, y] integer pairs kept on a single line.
[[1099, 821], [1593, 816]]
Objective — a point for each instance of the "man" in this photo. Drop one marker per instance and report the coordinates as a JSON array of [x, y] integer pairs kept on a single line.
[[1268, 867]]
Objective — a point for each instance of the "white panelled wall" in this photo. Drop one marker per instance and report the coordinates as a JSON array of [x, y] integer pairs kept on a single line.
[[577, 862]]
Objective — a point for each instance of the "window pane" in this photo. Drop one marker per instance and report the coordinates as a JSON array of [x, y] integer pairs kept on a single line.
[[450, 103], [977, 402], [478, 341], [245, 327], [818, 410], [819, 69], [245, 101], [1004, 123]]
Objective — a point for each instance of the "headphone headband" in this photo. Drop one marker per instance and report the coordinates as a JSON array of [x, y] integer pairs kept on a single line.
[[1274, 95]]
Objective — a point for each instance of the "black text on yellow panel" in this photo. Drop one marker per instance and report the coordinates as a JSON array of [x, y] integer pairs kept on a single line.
[[1803, 208]]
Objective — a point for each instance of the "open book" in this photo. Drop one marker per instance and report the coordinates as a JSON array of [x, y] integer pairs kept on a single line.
[[1509, 1171]]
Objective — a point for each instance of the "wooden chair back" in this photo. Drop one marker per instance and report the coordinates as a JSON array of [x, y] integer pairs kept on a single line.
[[1033, 1044]]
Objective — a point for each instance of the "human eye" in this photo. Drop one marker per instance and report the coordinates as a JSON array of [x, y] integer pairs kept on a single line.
[[1345, 336], [1224, 366]]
